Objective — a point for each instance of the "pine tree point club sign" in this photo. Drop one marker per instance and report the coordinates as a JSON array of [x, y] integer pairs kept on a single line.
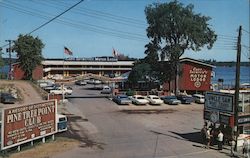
[[28, 122]]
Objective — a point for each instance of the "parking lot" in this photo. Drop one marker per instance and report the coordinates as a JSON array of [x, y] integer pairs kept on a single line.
[[170, 131]]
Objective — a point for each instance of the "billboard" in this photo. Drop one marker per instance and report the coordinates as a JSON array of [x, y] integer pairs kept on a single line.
[[221, 102], [25, 123], [217, 117]]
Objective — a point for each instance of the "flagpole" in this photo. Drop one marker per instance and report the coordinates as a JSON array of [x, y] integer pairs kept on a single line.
[[63, 60]]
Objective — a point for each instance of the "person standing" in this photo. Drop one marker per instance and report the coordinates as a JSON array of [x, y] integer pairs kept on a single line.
[[203, 135], [208, 136], [220, 140], [246, 148]]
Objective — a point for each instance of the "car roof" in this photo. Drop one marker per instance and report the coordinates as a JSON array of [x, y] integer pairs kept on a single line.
[[152, 96], [198, 95], [170, 96], [138, 96], [122, 95]]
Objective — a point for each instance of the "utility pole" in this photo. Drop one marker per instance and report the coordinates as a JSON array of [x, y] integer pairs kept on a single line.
[[237, 86], [9, 50]]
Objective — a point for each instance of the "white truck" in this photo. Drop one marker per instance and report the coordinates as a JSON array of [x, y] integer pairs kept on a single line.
[[61, 90]]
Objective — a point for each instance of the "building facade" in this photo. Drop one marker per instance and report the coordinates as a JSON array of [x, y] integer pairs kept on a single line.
[[102, 66], [194, 76], [99, 66]]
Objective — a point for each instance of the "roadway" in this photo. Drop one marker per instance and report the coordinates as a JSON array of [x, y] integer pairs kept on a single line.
[[115, 134]]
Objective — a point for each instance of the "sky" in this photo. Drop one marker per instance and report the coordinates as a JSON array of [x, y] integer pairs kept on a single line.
[[95, 27]]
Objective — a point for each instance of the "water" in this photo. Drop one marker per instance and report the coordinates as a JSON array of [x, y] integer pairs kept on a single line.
[[228, 74]]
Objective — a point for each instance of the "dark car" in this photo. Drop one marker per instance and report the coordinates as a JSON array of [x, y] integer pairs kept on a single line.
[[171, 100], [185, 99], [7, 98], [122, 99]]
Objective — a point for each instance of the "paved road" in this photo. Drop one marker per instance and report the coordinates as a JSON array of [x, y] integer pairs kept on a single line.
[[122, 135]]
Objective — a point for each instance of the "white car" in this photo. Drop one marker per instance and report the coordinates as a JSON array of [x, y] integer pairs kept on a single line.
[[198, 98], [139, 100], [61, 91], [154, 100], [106, 90]]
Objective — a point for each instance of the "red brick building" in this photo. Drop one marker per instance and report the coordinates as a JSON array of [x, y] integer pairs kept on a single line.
[[18, 73], [195, 76]]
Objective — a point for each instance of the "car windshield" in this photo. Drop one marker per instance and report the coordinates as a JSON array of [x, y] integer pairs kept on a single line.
[[6, 95], [140, 98], [123, 97], [156, 98], [170, 97]]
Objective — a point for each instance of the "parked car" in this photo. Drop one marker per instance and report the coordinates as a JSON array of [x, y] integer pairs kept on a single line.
[[139, 100], [185, 99], [198, 98], [97, 82], [106, 90], [154, 100], [59, 90], [7, 98], [81, 82], [171, 100], [122, 100], [49, 88], [61, 122]]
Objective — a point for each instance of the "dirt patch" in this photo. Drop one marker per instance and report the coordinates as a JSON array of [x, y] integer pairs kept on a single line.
[[25, 90], [149, 111], [82, 137], [46, 150]]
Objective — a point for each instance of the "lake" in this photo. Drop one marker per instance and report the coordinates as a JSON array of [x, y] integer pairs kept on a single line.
[[228, 74]]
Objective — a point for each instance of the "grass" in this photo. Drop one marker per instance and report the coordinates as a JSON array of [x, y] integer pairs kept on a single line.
[[42, 150]]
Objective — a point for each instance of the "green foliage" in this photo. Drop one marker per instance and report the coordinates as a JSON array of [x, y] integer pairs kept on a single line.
[[29, 53], [174, 28], [140, 72], [130, 92], [1, 60]]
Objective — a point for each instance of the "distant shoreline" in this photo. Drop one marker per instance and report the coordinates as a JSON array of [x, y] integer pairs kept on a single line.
[[230, 64], [212, 62]]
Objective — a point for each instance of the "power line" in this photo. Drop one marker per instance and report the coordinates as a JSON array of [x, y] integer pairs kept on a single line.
[[82, 11], [49, 20], [79, 25], [246, 31], [101, 13], [104, 30], [56, 17]]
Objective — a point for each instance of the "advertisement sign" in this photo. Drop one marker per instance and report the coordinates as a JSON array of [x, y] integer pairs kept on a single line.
[[195, 77], [217, 101], [244, 119], [217, 117], [28, 122]]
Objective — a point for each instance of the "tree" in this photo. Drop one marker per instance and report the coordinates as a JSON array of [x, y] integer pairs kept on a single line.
[[174, 28], [29, 53], [140, 72]]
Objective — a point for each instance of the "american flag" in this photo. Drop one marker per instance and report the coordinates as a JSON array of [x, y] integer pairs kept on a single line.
[[67, 51]]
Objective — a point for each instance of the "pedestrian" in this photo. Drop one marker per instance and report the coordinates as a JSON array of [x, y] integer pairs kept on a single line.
[[246, 145], [203, 135], [220, 140], [208, 136]]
